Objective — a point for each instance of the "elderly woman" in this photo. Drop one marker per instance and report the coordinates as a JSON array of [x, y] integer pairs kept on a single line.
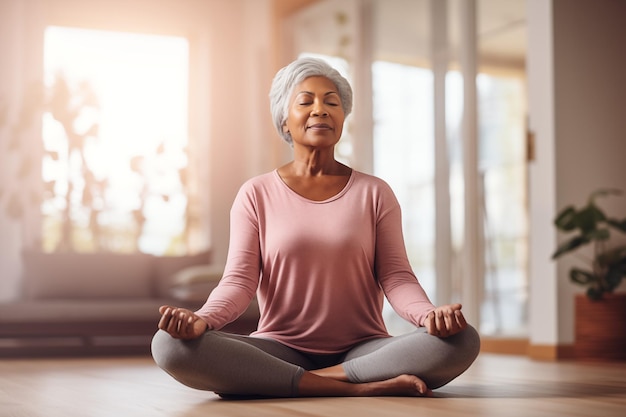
[[320, 244]]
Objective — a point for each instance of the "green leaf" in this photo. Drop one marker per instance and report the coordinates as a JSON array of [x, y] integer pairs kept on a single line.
[[603, 192], [565, 219], [614, 256], [594, 293], [588, 218], [620, 225], [598, 234], [582, 277], [570, 245], [614, 277]]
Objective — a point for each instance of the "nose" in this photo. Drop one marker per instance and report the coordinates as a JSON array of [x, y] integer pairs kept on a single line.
[[319, 110]]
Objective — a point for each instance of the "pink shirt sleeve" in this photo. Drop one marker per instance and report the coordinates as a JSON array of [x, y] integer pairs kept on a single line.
[[241, 274], [396, 277]]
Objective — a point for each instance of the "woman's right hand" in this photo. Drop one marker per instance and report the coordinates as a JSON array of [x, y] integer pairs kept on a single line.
[[181, 323]]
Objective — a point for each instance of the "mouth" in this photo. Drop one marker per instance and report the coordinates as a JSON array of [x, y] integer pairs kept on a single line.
[[319, 126]]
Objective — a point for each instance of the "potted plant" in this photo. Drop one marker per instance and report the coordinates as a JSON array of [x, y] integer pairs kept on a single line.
[[600, 313]]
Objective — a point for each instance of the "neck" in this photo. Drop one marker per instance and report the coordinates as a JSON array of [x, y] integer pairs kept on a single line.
[[316, 162]]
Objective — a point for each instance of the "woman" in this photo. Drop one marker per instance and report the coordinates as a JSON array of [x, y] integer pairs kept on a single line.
[[321, 245]]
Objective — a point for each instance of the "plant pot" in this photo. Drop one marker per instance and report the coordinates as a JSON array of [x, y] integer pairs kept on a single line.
[[601, 328]]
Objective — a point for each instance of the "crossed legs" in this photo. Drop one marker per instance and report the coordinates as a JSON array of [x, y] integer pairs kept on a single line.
[[407, 365]]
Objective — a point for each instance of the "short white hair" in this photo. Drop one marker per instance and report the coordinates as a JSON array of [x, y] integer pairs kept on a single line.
[[287, 78]]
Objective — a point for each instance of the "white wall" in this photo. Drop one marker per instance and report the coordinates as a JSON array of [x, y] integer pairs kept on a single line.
[[542, 182], [590, 115], [577, 90]]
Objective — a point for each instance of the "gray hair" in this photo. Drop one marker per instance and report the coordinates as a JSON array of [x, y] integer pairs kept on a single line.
[[287, 78]]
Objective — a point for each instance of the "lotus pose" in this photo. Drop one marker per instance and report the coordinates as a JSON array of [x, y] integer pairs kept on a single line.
[[321, 245]]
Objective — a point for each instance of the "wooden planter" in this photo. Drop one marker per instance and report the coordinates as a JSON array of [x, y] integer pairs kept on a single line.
[[601, 328]]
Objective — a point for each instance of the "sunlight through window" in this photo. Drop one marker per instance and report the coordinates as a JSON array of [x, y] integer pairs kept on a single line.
[[115, 138]]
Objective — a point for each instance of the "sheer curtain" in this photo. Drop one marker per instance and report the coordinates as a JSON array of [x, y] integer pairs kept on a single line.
[[20, 138]]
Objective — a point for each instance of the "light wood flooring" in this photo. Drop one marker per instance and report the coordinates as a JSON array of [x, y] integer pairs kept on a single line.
[[496, 385]]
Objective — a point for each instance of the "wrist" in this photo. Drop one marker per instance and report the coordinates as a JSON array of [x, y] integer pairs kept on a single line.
[[427, 317]]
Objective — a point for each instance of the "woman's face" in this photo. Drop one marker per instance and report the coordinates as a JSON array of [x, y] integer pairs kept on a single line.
[[315, 116]]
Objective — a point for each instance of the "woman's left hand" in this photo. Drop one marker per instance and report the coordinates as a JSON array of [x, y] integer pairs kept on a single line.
[[445, 321]]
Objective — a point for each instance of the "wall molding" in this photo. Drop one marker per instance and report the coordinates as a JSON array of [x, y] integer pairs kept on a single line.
[[521, 346]]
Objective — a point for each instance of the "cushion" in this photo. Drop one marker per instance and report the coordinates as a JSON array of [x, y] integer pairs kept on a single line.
[[165, 268], [195, 283], [86, 275]]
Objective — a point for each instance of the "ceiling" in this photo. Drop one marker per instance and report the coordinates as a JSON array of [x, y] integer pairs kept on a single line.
[[403, 30]]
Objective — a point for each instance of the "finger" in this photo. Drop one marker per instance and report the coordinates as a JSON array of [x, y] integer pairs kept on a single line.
[[440, 323], [460, 319], [176, 321], [183, 324], [173, 326], [188, 323], [437, 317], [449, 320], [165, 318], [456, 325], [164, 308], [457, 306], [186, 319], [183, 320]]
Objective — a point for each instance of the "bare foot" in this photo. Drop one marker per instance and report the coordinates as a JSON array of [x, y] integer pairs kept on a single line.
[[313, 385], [403, 385], [334, 372]]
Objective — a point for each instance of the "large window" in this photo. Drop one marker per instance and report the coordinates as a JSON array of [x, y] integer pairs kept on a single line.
[[397, 38], [115, 140], [502, 200], [403, 156], [502, 156]]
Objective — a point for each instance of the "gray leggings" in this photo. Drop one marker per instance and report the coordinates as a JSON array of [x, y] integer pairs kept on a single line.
[[231, 364]]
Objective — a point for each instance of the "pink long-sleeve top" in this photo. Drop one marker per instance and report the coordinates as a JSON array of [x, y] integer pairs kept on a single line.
[[320, 269]]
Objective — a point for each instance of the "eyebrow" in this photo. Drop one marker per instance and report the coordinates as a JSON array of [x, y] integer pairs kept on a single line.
[[311, 93]]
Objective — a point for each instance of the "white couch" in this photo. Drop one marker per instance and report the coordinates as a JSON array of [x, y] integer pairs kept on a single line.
[[105, 303]]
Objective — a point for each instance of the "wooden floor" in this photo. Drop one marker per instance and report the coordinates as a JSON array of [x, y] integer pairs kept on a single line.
[[494, 386]]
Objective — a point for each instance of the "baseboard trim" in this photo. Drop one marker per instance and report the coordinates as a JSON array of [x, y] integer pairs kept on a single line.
[[551, 352], [514, 346], [566, 352], [504, 346], [543, 352]]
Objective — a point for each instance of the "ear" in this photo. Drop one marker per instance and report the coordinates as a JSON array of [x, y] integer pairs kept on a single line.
[[285, 128]]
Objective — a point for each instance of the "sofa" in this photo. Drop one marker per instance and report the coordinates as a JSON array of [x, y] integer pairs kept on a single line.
[[77, 304]]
